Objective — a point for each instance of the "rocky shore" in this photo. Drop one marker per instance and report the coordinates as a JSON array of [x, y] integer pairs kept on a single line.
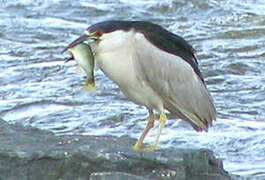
[[27, 153]]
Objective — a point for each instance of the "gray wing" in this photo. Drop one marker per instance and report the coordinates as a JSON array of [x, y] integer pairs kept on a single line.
[[182, 91]]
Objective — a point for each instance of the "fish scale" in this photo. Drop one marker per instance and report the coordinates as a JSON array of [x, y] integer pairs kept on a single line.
[[83, 54]]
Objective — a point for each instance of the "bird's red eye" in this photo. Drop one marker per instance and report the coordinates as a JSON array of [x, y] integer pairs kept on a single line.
[[99, 33]]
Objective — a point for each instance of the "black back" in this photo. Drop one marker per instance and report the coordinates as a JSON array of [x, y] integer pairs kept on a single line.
[[157, 35]]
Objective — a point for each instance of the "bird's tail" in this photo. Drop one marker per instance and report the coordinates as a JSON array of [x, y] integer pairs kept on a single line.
[[200, 118]]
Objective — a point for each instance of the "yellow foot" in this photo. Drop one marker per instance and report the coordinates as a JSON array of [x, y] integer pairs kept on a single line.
[[162, 121], [139, 143], [150, 148], [137, 146]]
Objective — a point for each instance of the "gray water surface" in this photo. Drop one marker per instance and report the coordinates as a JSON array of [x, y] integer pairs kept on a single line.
[[38, 89]]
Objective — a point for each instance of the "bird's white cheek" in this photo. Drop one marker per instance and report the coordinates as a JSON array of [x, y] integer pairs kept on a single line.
[[115, 41]]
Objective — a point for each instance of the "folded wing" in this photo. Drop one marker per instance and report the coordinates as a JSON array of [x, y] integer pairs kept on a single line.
[[182, 90]]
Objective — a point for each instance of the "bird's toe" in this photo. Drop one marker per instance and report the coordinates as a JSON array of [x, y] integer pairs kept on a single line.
[[137, 146], [150, 148]]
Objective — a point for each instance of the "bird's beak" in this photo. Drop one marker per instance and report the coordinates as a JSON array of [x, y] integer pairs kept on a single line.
[[86, 36], [70, 58], [77, 41]]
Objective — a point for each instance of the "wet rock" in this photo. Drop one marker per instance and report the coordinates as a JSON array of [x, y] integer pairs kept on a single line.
[[115, 175], [27, 153]]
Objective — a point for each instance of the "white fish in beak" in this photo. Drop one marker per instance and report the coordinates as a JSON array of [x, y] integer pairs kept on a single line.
[[83, 54]]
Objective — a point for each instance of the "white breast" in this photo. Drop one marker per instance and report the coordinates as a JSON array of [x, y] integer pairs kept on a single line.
[[115, 57]]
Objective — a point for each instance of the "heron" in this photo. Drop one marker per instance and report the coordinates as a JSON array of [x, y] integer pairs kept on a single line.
[[154, 68]]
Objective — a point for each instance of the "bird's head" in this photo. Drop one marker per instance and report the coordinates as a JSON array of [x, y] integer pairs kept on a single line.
[[97, 31]]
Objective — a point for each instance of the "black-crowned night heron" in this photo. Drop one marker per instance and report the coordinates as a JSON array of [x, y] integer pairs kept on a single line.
[[154, 68]]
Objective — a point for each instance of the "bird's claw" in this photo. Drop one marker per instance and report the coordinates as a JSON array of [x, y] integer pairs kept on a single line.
[[150, 148], [137, 146]]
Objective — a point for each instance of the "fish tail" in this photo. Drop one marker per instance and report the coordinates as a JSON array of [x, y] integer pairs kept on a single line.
[[90, 86]]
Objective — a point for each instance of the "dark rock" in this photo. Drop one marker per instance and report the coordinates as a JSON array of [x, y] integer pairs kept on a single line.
[[27, 153], [115, 175]]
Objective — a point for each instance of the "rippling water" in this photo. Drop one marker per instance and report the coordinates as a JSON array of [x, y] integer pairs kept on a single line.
[[38, 89]]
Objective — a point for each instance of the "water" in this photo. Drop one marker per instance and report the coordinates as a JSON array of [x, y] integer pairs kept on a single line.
[[38, 89]]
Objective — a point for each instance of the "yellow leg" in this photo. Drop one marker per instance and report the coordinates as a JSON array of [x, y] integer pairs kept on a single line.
[[150, 125], [162, 122]]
